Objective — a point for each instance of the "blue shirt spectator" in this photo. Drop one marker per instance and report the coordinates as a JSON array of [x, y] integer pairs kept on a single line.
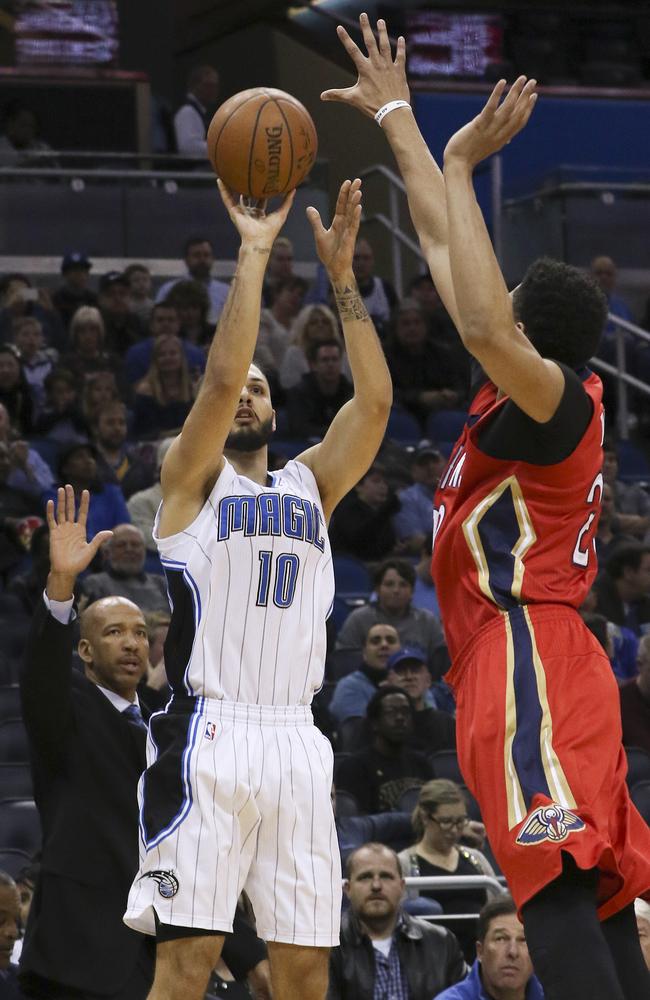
[[413, 521], [164, 320], [199, 260], [353, 692], [78, 467]]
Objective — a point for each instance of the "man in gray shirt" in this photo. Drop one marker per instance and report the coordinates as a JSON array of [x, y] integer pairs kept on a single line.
[[124, 575]]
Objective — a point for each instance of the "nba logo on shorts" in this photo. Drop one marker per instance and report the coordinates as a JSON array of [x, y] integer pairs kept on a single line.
[[210, 730]]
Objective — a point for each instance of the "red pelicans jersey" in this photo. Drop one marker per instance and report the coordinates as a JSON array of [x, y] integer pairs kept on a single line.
[[509, 532]]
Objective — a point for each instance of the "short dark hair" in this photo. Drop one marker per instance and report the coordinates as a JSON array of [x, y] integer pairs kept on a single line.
[[193, 241], [563, 311], [624, 557], [401, 566], [165, 304], [373, 708], [597, 625], [371, 846], [501, 906], [311, 352], [291, 281]]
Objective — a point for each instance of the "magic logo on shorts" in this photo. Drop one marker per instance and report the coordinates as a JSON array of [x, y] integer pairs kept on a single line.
[[167, 882], [553, 823]]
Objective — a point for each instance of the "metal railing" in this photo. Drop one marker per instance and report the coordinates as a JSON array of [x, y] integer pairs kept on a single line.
[[620, 373], [488, 882]]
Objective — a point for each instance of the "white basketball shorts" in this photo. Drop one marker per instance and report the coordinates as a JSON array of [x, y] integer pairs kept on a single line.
[[237, 797]]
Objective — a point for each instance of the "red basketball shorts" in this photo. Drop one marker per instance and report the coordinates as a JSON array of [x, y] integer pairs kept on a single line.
[[539, 745]]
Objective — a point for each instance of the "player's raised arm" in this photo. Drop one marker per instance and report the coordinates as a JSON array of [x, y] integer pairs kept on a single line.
[[195, 458], [486, 322], [382, 80], [355, 434]]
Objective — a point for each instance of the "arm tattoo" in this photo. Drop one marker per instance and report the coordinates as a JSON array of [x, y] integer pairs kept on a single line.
[[350, 304]]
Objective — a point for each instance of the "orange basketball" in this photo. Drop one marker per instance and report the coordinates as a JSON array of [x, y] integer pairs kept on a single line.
[[262, 142]]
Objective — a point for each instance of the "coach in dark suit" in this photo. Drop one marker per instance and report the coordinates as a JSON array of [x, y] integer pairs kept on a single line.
[[87, 746]]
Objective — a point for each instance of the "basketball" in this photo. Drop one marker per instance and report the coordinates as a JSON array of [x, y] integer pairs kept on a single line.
[[262, 142]]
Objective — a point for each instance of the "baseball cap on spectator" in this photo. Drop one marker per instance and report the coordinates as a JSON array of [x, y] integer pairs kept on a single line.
[[70, 450], [112, 278], [74, 259], [407, 654]]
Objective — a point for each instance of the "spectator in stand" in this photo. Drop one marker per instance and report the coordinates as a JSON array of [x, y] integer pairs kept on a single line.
[[424, 592], [384, 952], [36, 359], [642, 910], [631, 501], [164, 321], [313, 324], [192, 119], [394, 581], [74, 292], [424, 379], [503, 969], [635, 701], [14, 507], [440, 326], [604, 271], [276, 323], [432, 729], [154, 687], [378, 775], [412, 523], [20, 136], [88, 354], [379, 296], [118, 462], [122, 327], [140, 283], [608, 535], [191, 302], [164, 396], [124, 555], [78, 467], [28, 587], [143, 506], [279, 268], [29, 472], [353, 692], [14, 390], [99, 390], [199, 260], [623, 590], [362, 524], [62, 419], [320, 394], [9, 933], [438, 820], [18, 298]]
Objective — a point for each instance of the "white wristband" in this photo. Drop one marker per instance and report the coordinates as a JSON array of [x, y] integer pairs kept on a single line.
[[387, 108]]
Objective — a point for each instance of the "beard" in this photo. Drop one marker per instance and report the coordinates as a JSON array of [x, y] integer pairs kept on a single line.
[[249, 439]]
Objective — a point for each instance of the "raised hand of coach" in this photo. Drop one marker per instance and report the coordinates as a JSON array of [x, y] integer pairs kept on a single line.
[[381, 78], [70, 552], [496, 125]]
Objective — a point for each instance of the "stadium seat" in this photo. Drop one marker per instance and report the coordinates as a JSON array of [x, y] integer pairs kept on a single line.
[[445, 765], [351, 576], [408, 799], [638, 766], [13, 742], [473, 808], [632, 463], [446, 425], [403, 426], [341, 662], [48, 450], [10, 707], [15, 781], [338, 760], [152, 563], [351, 734], [346, 804], [20, 825], [12, 862], [9, 666], [288, 449], [340, 611], [640, 795]]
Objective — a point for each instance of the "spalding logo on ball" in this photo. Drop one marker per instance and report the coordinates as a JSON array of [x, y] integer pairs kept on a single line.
[[262, 142]]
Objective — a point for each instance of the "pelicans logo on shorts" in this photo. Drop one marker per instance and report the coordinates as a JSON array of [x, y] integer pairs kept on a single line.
[[167, 882], [553, 823]]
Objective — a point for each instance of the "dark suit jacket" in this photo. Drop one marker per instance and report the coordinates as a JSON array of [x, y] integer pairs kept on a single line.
[[86, 760]]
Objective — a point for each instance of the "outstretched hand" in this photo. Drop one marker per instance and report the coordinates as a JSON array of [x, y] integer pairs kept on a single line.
[[70, 553], [496, 125], [255, 226], [335, 246], [381, 78]]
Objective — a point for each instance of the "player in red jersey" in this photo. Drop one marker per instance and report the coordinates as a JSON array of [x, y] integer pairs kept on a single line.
[[515, 515]]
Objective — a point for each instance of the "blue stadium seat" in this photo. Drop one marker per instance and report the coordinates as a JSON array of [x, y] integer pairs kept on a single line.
[[340, 611], [12, 862], [445, 425], [445, 765], [403, 426], [341, 662], [16, 781], [408, 799], [351, 734], [20, 826], [288, 448], [346, 804], [632, 463], [152, 563], [48, 450], [473, 808], [638, 765], [10, 707], [13, 742], [351, 576], [640, 795]]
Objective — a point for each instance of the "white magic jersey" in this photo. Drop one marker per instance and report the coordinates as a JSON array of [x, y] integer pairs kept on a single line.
[[250, 584]]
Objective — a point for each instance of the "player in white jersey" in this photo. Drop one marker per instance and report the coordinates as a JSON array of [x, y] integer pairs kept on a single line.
[[236, 794]]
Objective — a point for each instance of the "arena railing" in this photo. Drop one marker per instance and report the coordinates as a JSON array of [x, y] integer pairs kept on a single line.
[[619, 372], [488, 882]]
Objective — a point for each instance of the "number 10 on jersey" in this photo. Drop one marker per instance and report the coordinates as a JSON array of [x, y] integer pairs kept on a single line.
[[285, 577]]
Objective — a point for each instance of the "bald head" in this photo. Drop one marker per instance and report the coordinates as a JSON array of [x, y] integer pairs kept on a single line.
[[99, 612], [114, 645], [126, 550], [604, 271]]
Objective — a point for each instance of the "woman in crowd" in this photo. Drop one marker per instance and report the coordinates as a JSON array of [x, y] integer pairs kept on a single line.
[[191, 302], [29, 472], [87, 354], [313, 323], [100, 388], [164, 396], [61, 418], [14, 390]]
